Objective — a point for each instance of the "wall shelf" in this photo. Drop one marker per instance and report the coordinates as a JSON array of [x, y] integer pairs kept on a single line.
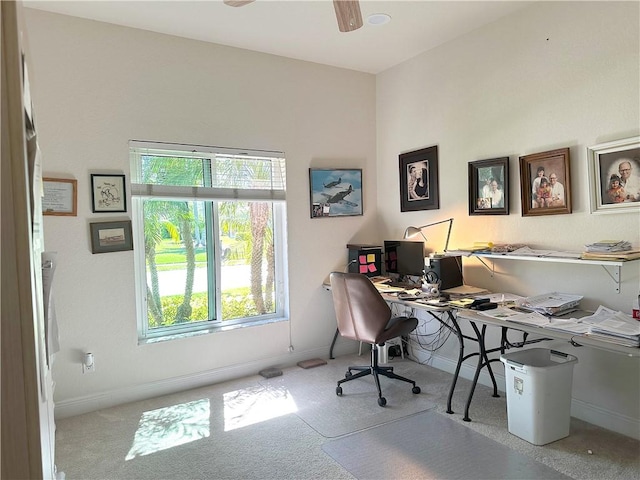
[[611, 268]]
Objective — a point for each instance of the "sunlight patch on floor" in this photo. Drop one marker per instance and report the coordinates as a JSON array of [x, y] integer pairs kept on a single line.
[[169, 427], [257, 404]]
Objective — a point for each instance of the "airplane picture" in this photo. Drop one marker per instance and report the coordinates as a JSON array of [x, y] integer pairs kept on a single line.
[[340, 197], [335, 192], [333, 184]]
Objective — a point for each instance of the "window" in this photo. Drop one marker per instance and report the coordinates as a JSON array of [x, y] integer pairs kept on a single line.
[[209, 228]]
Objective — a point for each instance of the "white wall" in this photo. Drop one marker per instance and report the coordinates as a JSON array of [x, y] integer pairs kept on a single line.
[[554, 75], [96, 86], [501, 90]]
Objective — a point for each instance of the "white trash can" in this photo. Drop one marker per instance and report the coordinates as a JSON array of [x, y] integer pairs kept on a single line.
[[539, 394]]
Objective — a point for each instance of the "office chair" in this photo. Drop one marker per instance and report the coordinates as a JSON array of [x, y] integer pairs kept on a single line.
[[363, 315]]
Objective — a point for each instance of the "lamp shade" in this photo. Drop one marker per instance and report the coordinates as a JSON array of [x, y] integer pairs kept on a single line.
[[411, 231]]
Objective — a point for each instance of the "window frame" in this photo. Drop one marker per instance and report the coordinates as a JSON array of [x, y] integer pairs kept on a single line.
[[211, 196]]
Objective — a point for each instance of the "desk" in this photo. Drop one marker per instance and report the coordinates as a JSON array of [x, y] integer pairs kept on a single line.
[[479, 325]]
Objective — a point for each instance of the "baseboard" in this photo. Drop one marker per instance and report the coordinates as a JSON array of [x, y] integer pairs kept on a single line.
[[90, 403], [589, 413]]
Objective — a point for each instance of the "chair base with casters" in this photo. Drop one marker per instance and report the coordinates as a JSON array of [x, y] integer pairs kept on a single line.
[[375, 370]]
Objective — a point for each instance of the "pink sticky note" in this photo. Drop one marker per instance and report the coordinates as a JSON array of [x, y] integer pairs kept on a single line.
[[363, 269]]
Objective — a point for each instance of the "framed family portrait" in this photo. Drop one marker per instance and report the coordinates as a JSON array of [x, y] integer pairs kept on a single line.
[[111, 236], [489, 187], [545, 183], [108, 193], [335, 192], [614, 176], [419, 180]]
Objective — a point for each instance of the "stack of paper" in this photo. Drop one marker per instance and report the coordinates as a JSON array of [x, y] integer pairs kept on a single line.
[[551, 303], [614, 326], [608, 246]]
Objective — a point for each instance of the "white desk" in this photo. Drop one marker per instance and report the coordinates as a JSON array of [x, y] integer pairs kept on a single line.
[[479, 325]]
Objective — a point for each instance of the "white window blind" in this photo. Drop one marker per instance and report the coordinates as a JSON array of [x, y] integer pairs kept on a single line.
[[217, 173]]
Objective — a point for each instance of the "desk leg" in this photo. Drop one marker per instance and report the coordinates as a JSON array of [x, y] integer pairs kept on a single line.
[[333, 343], [458, 333], [483, 361]]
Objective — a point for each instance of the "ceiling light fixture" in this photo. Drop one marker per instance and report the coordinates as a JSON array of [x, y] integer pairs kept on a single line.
[[378, 19]]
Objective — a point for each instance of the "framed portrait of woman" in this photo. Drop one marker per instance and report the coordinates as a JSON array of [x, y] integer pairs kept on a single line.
[[419, 180]]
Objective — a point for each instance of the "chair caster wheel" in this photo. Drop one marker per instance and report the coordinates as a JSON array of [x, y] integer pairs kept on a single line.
[[348, 374], [339, 391], [416, 390], [382, 401]]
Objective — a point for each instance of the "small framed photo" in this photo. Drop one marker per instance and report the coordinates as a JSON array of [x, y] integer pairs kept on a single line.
[[419, 180], [60, 197], [545, 183], [335, 192], [108, 193], [614, 176], [489, 187], [111, 236]]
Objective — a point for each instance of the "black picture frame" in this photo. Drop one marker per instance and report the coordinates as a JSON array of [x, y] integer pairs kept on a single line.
[[419, 190], [109, 237], [108, 193], [537, 167], [335, 192], [489, 187]]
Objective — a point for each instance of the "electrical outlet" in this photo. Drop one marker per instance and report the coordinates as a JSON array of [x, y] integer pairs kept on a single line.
[[88, 363]]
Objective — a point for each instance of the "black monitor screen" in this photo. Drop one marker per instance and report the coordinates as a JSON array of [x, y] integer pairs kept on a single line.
[[404, 257]]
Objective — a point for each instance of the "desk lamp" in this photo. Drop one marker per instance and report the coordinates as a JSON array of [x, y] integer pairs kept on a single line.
[[412, 231]]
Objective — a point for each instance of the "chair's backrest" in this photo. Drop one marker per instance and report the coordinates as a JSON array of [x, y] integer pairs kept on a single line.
[[361, 312]]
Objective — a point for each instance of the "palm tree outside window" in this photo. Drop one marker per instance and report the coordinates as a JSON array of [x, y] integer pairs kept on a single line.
[[209, 225]]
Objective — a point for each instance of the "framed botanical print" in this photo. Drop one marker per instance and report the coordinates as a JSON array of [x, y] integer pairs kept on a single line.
[[419, 180], [489, 187], [108, 193], [545, 183]]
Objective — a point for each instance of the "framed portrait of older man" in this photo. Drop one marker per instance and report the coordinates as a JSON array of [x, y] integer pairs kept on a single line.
[[614, 176]]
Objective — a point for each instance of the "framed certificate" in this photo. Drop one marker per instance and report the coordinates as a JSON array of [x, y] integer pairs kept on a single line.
[[60, 197]]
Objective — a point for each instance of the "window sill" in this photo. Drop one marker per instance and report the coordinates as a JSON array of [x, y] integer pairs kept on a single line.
[[222, 328]]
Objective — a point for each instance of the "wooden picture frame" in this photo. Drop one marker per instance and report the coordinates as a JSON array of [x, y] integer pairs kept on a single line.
[[335, 192], [111, 236], [610, 163], [60, 197], [551, 170], [489, 187], [419, 188], [108, 193]]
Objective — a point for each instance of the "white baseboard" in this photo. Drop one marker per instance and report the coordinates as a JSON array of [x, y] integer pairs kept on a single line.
[[589, 413], [90, 403]]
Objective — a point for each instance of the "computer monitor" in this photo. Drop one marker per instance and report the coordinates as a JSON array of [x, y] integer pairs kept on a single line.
[[404, 257]]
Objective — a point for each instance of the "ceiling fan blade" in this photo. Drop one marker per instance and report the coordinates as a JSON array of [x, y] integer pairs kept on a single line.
[[237, 3], [348, 14]]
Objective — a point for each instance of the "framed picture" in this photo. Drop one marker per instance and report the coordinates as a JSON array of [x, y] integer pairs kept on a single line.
[[614, 176], [335, 192], [108, 193], [111, 236], [60, 197], [419, 180], [545, 183], [489, 187]]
